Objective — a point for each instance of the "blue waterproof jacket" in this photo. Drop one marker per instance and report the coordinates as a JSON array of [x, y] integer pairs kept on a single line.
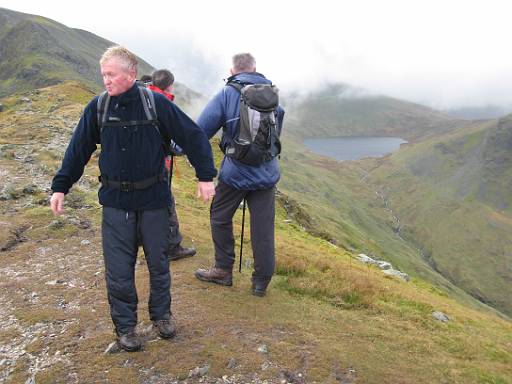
[[223, 111], [133, 153]]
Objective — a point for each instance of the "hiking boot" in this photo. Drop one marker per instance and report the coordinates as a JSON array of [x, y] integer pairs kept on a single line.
[[165, 328], [180, 252], [259, 288], [129, 341], [215, 275]]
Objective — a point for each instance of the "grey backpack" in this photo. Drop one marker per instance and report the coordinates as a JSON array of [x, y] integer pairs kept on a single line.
[[257, 136]]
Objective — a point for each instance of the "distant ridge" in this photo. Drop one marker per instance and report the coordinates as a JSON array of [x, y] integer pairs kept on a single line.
[[480, 113], [342, 110], [36, 52]]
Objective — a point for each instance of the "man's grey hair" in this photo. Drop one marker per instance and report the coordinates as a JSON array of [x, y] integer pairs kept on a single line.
[[162, 78], [125, 56], [244, 62]]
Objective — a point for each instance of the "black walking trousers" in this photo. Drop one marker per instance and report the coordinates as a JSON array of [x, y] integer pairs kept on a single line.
[[261, 205], [120, 232]]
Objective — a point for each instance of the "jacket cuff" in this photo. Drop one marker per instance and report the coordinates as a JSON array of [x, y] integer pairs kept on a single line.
[[60, 187]]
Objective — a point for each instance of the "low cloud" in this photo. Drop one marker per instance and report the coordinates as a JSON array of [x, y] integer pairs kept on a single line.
[[442, 54]]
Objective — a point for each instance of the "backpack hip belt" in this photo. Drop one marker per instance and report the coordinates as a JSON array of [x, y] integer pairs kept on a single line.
[[128, 186]]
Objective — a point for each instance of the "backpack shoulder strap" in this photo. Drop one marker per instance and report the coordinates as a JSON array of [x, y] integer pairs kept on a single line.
[[102, 108], [148, 102], [236, 84]]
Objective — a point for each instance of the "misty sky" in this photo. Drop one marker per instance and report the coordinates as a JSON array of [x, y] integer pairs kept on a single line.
[[444, 54]]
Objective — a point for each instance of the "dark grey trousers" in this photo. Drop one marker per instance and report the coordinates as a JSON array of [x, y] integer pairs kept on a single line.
[[120, 231], [174, 227], [261, 205]]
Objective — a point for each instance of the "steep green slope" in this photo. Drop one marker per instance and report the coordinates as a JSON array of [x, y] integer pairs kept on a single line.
[[326, 318], [340, 110], [453, 197], [36, 51], [349, 210], [440, 208]]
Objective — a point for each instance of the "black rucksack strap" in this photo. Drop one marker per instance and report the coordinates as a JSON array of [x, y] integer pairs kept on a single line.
[[224, 141], [148, 103], [102, 108], [236, 84]]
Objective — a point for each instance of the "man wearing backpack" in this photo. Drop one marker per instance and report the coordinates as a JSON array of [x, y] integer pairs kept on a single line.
[[162, 81], [132, 124], [245, 174]]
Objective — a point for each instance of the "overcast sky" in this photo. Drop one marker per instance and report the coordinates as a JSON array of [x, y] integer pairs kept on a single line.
[[442, 53]]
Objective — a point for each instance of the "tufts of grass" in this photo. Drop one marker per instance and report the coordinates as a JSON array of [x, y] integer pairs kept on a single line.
[[56, 374], [289, 266], [34, 315]]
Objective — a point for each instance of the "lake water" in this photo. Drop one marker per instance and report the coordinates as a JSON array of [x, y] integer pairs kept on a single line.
[[354, 148]]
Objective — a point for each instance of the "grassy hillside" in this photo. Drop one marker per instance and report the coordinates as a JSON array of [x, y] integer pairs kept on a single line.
[[347, 208], [326, 318], [341, 110], [439, 209], [453, 197]]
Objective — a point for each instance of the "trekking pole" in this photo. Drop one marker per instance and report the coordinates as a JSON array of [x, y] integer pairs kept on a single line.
[[242, 235]]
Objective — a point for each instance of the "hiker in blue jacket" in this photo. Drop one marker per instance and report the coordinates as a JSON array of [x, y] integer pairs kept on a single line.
[[134, 191], [255, 183]]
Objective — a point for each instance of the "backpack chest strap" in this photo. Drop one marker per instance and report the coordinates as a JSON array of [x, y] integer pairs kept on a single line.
[[129, 123]]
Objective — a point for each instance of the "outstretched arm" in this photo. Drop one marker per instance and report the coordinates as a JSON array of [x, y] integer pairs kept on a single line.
[[79, 151]]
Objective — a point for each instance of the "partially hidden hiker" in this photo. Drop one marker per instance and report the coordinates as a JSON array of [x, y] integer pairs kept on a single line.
[[134, 192], [241, 176], [162, 82], [145, 80]]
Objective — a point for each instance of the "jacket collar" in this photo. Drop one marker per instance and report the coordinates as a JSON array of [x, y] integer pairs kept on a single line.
[[129, 95], [244, 76]]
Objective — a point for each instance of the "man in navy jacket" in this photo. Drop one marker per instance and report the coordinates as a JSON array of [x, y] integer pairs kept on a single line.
[[238, 181], [134, 192]]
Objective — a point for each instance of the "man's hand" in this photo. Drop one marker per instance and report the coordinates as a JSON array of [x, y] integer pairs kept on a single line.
[[57, 203], [206, 190]]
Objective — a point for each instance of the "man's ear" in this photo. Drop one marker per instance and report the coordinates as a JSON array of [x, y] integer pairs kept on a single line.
[[232, 71], [133, 74]]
